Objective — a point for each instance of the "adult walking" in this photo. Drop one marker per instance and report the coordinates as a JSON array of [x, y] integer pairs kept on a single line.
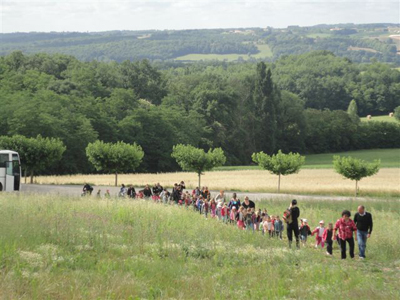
[[346, 228], [248, 203], [235, 202], [291, 216], [363, 221]]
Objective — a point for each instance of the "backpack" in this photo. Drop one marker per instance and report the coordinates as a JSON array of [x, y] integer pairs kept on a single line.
[[287, 216]]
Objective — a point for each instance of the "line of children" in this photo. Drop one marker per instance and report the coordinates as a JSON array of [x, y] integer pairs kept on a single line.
[[235, 213]]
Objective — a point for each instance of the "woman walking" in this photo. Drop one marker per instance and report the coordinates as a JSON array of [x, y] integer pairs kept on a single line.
[[346, 228]]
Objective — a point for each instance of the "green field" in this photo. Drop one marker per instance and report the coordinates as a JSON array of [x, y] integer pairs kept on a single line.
[[390, 158], [319, 35], [381, 119], [265, 51], [82, 248]]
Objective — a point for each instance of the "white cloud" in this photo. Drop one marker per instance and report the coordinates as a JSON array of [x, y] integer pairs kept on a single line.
[[100, 15]]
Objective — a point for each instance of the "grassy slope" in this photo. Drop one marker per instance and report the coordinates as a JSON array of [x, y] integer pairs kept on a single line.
[[265, 51], [64, 248], [380, 119], [390, 158]]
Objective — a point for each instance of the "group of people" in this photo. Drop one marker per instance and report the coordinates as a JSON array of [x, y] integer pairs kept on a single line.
[[245, 216]]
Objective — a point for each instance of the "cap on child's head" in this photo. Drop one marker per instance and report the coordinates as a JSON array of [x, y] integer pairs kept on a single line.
[[234, 208], [305, 220], [321, 222], [294, 202]]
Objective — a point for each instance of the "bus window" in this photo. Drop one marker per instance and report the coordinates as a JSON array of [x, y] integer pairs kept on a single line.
[[9, 168], [3, 159]]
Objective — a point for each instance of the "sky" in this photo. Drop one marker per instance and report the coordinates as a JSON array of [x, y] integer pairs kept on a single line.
[[103, 15]]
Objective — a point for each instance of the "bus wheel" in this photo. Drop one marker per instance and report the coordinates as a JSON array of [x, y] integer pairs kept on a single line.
[[1, 187]]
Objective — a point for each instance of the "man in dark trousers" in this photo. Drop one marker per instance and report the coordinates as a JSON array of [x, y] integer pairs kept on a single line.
[[364, 225], [292, 223]]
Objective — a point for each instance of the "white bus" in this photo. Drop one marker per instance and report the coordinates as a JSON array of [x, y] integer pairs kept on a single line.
[[10, 171]]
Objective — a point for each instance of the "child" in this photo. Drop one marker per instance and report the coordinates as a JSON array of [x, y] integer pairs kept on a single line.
[[107, 194], [327, 238], [164, 196], [187, 201], [232, 215], [240, 218], [270, 226], [213, 207], [305, 231], [278, 226], [273, 225], [194, 203], [249, 219], [206, 207], [224, 213], [263, 218], [267, 224], [98, 194], [319, 231], [256, 220], [200, 204]]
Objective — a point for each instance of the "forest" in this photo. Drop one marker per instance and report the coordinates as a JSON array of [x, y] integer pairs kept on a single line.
[[358, 42], [297, 103]]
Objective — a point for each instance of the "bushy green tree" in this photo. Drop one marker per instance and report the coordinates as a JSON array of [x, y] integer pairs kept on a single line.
[[197, 160], [352, 110], [37, 154], [355, 169], [280, 163], [114, 158]]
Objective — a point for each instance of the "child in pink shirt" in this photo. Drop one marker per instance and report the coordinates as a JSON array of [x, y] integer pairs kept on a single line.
[[224, 213], [233, 215]]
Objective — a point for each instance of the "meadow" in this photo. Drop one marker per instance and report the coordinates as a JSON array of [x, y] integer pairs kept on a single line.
[[84, 248], [264, 49], [390, 158], [380, 119]]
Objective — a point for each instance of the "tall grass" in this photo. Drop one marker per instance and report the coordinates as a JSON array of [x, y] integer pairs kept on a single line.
[[84, 248]]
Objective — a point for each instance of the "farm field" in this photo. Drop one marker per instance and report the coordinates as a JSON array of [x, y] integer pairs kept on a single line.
[[83, 248], [265, 51], [380, 119], [390, 158], [319, 35], [307, 181]]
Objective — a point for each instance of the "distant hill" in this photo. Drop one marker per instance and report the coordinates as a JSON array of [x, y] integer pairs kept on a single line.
[[360, 43]]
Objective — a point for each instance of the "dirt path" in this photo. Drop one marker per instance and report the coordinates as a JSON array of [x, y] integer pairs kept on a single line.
[[75, 190]]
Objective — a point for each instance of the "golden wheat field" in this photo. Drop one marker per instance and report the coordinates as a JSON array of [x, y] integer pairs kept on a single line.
[[307, 181]]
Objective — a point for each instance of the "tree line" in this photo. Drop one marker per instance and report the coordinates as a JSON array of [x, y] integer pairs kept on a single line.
[[360, 43], [297, 104]]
